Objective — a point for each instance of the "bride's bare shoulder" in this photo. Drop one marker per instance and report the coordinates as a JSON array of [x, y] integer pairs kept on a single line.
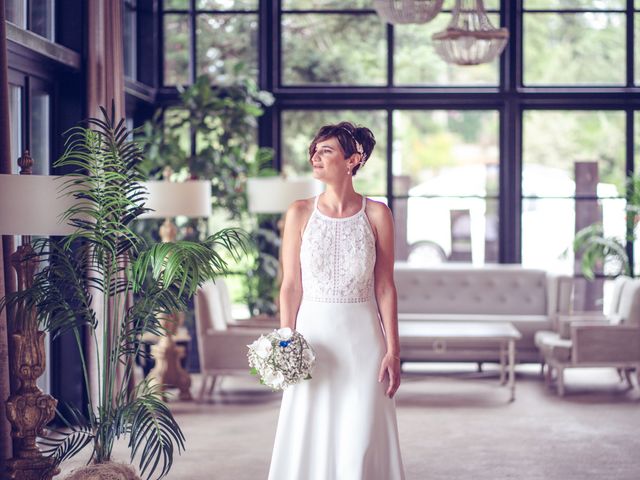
[[300, 208], [299, 212], [377, 211]]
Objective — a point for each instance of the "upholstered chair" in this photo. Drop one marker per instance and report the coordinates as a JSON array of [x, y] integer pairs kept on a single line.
[[596, 340], [222, 342]]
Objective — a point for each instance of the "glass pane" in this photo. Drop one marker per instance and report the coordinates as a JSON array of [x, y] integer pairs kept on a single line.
[[417, 63], [41, 19], [334, 49], [558, 215], [224, 40], [574, 49], [16, 12], [176, 49], [447, 152], [300, 126], [176, 4], [15, 112], [458, 230], [326, 4], [576, 4], [130, 41], [440, 156], [40, 131], [175, 119], [488, 4], [227, 4], [554, 141]]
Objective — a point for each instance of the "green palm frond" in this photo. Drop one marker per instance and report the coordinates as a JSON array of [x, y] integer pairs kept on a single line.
[[188, 264], [152, 430], [59, 294], [143, 317], [64, 444], [108, 186], [596, 248]]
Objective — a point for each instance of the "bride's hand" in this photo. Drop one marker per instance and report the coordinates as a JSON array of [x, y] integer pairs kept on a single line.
[[390, 365]]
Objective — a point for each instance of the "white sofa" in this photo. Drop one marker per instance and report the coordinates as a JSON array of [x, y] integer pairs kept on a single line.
[[530, 299]]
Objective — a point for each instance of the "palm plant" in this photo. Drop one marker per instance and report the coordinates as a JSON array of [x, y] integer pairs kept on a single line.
[[599, 250], [86, 281]]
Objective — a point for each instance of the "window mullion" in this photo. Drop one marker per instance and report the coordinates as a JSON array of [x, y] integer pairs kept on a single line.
[[192, 41]]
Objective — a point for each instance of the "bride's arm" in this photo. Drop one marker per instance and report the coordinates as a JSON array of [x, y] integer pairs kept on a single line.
[[386, 295], [291, 287]]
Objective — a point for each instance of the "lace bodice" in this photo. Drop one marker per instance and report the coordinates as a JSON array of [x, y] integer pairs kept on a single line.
[[337, 257]]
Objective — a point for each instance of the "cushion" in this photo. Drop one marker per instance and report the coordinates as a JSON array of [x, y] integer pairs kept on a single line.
[[501, 290], [556, 348], [544, 336]]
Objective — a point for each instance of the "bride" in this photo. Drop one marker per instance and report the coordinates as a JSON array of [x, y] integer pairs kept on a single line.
[[338, 291]]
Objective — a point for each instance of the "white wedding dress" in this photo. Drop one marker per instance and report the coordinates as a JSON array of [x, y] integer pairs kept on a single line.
[[340, 425]]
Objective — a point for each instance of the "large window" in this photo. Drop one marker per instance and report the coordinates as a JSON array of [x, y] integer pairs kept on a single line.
[[478, 163]]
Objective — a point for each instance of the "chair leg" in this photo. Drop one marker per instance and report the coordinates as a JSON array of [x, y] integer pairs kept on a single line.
[[548, 373], [560, 371], [203, 387], [627, 374], [214, 379]]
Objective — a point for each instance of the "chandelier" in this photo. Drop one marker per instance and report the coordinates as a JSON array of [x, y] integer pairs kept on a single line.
[[407, 11], [470, 38]]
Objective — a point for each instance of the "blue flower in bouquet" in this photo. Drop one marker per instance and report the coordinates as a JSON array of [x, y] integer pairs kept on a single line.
[[284, 343]]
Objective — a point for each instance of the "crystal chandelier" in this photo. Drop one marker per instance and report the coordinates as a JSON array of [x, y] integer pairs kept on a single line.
[[407, 11], [470, 39]]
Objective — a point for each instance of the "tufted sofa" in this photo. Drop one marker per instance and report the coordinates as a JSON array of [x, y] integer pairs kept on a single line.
[[530, 299]]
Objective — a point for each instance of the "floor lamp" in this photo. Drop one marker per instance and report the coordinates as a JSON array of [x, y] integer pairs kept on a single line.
[[166, 200], [274, 195], [29, 205]]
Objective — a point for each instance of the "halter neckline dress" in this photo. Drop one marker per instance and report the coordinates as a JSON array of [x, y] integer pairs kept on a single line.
[[340, 425]]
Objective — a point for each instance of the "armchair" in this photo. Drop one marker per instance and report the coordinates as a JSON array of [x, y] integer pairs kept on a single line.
[[222, 343], [596, 340]]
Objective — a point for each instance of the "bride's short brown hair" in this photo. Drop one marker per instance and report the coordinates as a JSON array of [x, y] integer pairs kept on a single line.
[[349, 136]]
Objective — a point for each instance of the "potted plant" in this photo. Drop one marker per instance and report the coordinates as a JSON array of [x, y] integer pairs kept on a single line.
[[609, 252], [86, 281]]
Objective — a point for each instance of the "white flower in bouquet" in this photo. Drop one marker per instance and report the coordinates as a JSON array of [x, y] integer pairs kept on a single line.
[[281, 358]]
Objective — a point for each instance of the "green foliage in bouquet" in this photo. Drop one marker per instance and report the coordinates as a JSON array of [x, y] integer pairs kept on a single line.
[[85, 281]]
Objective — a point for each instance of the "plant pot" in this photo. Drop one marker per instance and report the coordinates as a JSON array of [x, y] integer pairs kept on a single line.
[[104, 471]]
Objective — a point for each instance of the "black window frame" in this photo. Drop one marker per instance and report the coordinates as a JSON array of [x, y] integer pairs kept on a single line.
[[510, 98]]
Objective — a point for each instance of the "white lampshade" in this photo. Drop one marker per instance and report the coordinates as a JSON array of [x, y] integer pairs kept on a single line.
[[34, 205], [171, 199], [275, 194]]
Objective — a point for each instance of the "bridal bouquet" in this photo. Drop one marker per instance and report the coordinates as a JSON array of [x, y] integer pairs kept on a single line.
[[281, 358]]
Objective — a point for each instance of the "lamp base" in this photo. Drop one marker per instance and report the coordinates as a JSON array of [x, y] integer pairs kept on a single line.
[[168, 369]]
